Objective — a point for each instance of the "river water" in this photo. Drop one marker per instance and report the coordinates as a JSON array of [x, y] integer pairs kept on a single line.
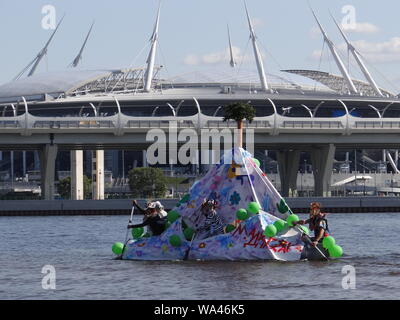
[[79, 248]]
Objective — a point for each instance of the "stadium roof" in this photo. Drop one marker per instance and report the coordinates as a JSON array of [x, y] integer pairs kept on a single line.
[[338, 83], [71, 83], [54, 84]]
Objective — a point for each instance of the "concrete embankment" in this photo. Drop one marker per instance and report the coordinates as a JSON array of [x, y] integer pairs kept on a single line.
[[123, 207]]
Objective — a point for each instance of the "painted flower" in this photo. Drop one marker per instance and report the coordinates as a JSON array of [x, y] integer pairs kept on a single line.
[[164, 248], [141, 244], [235, 198], [216, 181], [225, 242], [202, 245]]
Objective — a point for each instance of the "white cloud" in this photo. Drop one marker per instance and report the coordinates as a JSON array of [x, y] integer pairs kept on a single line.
[[375, 52], [387, 51], [360, 27], [191, 60], [257, 22], [217, 57]]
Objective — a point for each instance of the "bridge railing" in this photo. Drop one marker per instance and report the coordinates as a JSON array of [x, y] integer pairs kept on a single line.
[[232, 125], [313, 124], [387, 124], [73, 124], [27, 124]]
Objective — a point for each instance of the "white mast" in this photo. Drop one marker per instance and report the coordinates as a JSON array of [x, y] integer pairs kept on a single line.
[[35, 62], [78, 58], [232, 62], [360, 62], [152, 55], [336, 56], [257, 55]]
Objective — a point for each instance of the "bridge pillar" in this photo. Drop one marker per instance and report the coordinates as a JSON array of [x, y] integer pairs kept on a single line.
[[24, 164], [322, 162], [77, 187], [98, 175], [144, 159], [288, 162], [48, 156]]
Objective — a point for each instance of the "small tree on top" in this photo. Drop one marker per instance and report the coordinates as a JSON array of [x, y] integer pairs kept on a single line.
[[239, 111]]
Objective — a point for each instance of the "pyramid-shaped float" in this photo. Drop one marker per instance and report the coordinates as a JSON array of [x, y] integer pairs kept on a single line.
[[233, 183]]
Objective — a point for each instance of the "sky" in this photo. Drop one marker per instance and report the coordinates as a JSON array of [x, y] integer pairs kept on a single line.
[[193, 35]]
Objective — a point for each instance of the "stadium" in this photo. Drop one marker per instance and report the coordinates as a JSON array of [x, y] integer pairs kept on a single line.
[[331, 121]]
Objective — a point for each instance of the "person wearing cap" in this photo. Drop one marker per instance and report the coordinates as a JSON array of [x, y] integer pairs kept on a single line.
[[213, 224], [152, 219], [160, 209], [317, 222]]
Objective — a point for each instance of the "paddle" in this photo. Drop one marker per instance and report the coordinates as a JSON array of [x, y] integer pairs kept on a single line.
[[127, 230], [190, 247], [309, 239]]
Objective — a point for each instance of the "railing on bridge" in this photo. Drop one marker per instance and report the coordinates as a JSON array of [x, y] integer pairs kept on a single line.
[[120, 123], [9, 124], [232, 125], [377, 124], [158, 124], [72, 124], [313, 124]]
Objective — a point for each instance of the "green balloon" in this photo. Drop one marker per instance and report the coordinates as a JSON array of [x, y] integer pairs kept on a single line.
[[118, 248], [280, 225], [292, 218], [242, 214], [185, 198], [253, 207], [175, 240], [230, 228], [137, 232], [335, 251], [257, 162], [167, 224], [188, 232], [328, 242], [270, 231], [305, 229], [173, 216]]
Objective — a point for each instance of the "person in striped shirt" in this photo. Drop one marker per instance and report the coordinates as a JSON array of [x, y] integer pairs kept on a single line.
[[213, 224]]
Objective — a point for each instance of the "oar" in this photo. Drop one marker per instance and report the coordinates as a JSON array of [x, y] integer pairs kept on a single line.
[[190, 247], [309, 239], [127, 231]]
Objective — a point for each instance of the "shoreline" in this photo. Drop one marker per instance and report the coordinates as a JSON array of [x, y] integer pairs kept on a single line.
[[123, 206]]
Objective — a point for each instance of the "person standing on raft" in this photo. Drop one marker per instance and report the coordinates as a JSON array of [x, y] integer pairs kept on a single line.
[[317, 223], [213, 224]]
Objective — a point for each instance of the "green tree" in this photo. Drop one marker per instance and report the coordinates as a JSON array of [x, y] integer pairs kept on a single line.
[[147, 182], [64, 187], [239, 111]]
